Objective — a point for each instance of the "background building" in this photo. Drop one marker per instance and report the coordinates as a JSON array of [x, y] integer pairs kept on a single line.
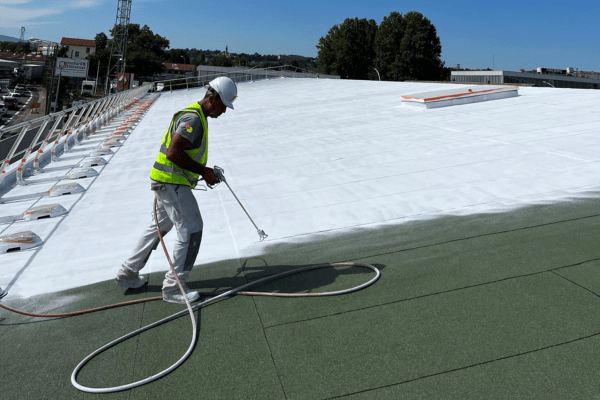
[[567, 78], [176, 71], [79, 49]]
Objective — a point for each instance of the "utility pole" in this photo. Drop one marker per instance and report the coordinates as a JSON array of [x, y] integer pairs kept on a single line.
[[50, 65], [97, 74]]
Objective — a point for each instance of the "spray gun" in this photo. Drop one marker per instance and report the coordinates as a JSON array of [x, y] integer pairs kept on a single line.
[[220, 174]]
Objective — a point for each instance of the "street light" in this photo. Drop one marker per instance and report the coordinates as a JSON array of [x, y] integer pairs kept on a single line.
[[54, 55], [377, 73], [548, 83]]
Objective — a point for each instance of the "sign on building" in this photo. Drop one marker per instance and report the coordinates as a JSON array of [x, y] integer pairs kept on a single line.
[[70, 67]]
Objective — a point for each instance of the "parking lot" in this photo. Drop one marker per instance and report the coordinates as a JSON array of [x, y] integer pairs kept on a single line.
[[23, 112]]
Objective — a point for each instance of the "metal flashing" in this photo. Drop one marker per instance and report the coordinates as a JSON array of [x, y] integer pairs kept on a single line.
[[19, 241]]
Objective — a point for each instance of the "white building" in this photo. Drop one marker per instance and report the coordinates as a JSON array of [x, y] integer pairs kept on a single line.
[[79, 49]]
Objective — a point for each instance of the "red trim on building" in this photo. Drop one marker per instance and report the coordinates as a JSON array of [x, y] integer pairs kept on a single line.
[[469, 93], [78, 42]]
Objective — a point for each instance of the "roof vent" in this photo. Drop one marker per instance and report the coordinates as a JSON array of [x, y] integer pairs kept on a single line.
[[19, 241], [67, 188], [92, 162], [82, 173], [101, 152], [48, 211], [112, 142]]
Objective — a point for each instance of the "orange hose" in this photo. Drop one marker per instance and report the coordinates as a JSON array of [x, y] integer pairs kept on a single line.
[[71, 314]]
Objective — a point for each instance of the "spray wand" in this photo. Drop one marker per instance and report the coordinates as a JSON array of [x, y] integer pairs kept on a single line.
[[220, 174]]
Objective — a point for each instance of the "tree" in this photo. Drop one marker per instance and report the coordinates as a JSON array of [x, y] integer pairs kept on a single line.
[[420, 49], [327, 56], [199, 60], [146, 51], [408, 47], [26, 47], [347, 49], [242, 61], [387, 42], [101, 41], [177, 56], [221, 61], [8, 46]]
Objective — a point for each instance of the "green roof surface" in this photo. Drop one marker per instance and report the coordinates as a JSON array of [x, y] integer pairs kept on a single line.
[[495, 306]]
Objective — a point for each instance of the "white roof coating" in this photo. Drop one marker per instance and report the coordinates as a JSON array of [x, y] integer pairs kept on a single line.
[[310, 157]]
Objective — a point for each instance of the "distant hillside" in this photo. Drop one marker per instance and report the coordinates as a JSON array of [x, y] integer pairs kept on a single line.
[[8, 39]]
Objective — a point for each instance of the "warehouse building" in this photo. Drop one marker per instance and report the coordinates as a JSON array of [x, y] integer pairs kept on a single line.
[[568, 78]]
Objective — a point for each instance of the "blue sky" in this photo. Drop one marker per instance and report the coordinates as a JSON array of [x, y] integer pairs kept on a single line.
[[507, 35]]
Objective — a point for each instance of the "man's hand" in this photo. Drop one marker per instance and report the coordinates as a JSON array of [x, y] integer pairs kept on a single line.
[[209, 176]]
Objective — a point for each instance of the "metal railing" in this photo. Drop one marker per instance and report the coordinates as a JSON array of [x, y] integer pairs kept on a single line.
[[17, 142], [237, 75]]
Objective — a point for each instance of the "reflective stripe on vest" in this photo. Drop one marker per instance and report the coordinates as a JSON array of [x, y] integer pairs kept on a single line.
[[165, 170]]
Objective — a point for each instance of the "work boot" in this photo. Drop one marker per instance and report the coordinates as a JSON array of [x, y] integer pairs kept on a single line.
[[175, 296], [133, 283]]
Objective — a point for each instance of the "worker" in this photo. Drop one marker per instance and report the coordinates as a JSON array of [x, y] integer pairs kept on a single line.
[[180, 164]]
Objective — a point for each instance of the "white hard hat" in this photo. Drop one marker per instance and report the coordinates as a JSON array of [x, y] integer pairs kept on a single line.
[[226, 88]]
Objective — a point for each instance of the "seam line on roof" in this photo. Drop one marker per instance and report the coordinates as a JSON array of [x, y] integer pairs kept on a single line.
[[137, 342], [471, 366], [437, 293], [575, 283], [262, 325], [482, 235]]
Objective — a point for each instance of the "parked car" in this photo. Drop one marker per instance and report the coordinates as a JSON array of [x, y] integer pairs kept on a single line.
[[10, 102], [21, 90], [17, 95]]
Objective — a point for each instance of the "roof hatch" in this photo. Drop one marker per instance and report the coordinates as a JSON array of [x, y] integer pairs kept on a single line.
[[458, 96]]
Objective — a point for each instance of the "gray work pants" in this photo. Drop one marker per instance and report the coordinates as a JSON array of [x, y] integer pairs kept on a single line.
[[176, 206]]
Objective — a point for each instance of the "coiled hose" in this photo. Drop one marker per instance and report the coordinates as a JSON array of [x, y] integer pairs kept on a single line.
[[236, 291]]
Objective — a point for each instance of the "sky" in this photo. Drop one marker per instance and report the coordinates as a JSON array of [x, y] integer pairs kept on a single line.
[[507, 35]]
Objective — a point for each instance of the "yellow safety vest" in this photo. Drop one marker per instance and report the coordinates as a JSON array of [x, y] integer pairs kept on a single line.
[[166, 171]]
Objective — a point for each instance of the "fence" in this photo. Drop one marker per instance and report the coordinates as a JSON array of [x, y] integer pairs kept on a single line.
[[208, 73], [19, 141]]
